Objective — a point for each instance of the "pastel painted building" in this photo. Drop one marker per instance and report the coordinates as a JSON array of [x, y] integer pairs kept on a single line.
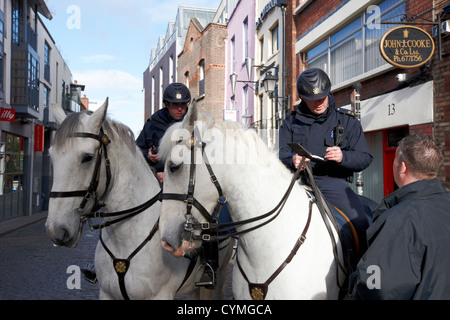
[[240, 45]]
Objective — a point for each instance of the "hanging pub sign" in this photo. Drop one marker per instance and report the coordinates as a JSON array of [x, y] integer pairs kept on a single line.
[[407, 46]]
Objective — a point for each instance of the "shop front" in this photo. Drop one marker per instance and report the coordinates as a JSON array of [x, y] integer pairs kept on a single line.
[[386, 119]]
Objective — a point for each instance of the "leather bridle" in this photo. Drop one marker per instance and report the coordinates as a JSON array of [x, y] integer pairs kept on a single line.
[[211, 229], [121, 266], [91, 191]]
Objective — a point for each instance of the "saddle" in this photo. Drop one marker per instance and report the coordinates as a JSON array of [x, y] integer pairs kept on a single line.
[[346, 230]]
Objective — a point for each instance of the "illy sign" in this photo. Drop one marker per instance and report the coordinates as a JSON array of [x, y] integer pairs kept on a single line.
[[7, 114]]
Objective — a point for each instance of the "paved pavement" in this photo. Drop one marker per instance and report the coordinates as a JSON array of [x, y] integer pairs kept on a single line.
[[32, 268]]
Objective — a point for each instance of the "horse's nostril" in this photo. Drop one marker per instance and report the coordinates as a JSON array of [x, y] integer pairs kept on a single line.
[[63, 238], [66, 235]]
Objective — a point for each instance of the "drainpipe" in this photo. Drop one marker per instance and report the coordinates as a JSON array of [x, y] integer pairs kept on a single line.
[[357, 110]]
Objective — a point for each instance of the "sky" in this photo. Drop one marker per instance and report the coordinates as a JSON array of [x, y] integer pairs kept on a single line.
[[107, 44]]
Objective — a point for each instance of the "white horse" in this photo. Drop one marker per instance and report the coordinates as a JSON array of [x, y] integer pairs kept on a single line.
[[130, 193], [254, 182]]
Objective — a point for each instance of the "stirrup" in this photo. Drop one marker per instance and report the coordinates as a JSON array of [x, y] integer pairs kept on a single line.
[[208, 279], [89, 274]]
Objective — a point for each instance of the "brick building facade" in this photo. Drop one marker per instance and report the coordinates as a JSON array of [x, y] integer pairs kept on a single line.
[[328, 34], [342, 37], [201, 65]]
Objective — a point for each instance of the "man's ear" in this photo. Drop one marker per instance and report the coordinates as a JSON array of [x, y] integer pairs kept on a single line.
[[403, 167]]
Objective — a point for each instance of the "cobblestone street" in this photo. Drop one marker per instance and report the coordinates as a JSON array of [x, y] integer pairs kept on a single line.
[[32, 268]]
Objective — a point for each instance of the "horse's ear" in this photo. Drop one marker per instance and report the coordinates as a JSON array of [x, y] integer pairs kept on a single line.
[[58, 113], [98, 117], [191, 116]]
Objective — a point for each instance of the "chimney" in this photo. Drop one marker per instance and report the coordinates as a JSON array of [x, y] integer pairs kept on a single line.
[[84, 103]]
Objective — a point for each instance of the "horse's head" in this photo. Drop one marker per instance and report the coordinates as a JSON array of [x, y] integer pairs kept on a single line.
[[184, 147], [74, 159]]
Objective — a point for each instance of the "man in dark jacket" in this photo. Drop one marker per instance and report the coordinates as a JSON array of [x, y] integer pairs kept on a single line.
[[333, 134], [176, 99], [409, 240]]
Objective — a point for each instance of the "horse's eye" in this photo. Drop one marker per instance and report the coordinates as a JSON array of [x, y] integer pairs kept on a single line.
[[87, 158], [174, 166]]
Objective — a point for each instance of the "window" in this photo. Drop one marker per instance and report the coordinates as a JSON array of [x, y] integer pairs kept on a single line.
[[153, 96], [171, 78], [12, 175], [245, 39], [245, 112], [201, 87], [17, 18], [232, 55], [46, 97], [186, 81], [261, 49], [11, 163], [232, 103], [161, 87], [63, 92], [274, 33], [47, 62], [353, 50], [33, 82], [2, 56]]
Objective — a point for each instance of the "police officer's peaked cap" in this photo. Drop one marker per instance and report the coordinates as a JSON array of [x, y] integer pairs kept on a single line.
[[176, 93], [313, 84]]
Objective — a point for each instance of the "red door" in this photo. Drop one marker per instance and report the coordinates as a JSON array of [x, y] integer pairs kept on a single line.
[[391, 138], [389, 183]]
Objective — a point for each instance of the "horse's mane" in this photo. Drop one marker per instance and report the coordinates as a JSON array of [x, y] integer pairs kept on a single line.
[[205, 121], [72, 122]]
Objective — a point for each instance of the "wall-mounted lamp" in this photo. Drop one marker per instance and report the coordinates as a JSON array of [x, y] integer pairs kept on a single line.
[[269, 83], [269, 80]]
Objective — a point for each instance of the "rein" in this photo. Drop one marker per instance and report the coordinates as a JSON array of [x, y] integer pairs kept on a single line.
[[192, 224], [257, 291]]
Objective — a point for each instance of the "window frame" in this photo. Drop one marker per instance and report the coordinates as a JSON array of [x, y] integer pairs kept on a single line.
[[321, 55]]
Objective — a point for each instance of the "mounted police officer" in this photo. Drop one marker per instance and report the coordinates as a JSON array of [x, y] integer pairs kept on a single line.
[[176, 99], [333, 134]]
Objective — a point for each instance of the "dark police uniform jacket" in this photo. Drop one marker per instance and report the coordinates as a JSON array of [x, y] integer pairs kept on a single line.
[[409, 242], [151, 134], [316, 134]]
